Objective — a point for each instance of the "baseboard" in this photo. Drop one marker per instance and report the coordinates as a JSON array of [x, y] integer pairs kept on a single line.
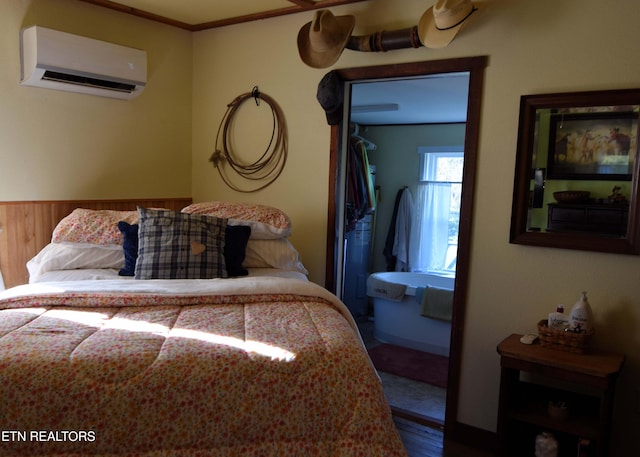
[[474, 437]]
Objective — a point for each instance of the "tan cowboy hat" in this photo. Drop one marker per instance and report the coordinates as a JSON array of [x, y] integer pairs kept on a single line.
[[321, 41], [439, 24]]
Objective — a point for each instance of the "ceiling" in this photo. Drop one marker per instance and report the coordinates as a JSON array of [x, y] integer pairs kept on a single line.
[[433, 99], [423, 100]]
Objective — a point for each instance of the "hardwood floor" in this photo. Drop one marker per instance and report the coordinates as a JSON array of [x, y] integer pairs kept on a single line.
[[423, 441]]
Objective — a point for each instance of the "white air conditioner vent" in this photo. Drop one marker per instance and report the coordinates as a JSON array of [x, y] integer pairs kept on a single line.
[[62, 61], [86, 81]]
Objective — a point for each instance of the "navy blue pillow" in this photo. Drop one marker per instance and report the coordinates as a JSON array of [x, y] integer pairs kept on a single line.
[[235, 245], [236, 238], [130, 247]]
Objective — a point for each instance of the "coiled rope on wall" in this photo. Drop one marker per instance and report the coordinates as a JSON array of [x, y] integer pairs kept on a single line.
[[270, 164]]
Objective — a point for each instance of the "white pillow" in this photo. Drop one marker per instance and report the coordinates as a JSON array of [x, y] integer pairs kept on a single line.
[[71, 256], [278, 253], [84, 274]]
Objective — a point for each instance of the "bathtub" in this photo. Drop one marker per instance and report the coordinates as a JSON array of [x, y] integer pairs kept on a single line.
[[401, 322]]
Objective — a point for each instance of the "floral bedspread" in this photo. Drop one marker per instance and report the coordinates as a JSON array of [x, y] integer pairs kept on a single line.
[[234, 367]]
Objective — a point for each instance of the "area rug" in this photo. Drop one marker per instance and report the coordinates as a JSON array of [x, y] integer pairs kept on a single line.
[[411, 363]]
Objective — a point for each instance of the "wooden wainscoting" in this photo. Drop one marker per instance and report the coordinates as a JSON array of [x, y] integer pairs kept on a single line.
[[26, 227]]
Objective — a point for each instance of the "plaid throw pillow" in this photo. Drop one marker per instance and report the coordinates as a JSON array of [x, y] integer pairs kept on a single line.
[[173, 245]]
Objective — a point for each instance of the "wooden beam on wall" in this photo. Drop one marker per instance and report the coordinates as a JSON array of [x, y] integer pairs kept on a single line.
[[298, 7]]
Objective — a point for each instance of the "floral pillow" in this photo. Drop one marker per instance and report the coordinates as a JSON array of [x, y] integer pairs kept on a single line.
[[266, 222], [92, 226]]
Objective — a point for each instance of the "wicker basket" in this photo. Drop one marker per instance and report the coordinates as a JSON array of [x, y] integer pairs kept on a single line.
[[564, 341]]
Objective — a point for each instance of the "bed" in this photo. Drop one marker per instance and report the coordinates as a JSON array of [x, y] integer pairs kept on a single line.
[[147, 356]]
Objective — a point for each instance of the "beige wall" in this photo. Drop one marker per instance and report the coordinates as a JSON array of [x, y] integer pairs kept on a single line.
[[62, 145], [533, 47]]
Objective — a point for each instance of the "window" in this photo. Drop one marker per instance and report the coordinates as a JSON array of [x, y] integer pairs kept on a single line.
[[434, 236]]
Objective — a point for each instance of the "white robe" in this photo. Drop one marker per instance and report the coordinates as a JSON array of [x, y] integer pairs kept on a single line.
[[403, 231]]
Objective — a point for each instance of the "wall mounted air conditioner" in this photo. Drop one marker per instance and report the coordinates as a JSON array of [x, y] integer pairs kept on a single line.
[[62, 61]]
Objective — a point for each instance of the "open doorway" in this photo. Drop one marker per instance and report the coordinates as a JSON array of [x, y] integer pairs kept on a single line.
[[410, 134], [335, 239]]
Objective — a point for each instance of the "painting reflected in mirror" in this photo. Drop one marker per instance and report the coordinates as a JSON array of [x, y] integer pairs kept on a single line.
[[576, 181]]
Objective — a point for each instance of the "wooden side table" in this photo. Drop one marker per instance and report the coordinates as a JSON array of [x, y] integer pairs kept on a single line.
[[533, 376]]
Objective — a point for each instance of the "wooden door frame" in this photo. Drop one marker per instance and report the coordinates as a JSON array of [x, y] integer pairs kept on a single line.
[[475, 66]]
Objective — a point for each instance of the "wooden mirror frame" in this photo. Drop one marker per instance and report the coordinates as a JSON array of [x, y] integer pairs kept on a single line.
[[529, 104]]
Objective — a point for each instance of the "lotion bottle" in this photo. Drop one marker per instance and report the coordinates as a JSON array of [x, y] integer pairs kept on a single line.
[[558, 320], [581, 316]]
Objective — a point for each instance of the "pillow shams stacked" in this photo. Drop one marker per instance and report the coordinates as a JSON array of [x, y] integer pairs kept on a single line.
[[173, 245], [96, 239]]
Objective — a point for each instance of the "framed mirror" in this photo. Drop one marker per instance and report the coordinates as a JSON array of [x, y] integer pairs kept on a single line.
[[577, 172]]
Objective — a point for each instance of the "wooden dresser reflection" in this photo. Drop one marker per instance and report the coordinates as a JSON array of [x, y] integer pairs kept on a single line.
[[590, 217]]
